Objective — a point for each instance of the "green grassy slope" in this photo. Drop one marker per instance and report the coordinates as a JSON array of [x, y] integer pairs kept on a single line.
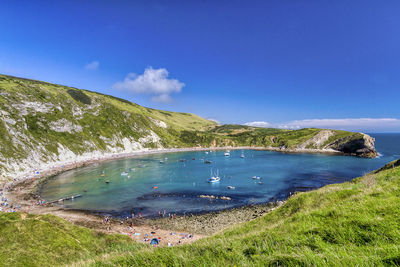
[[350, 224], [31, 111], [46, 240]]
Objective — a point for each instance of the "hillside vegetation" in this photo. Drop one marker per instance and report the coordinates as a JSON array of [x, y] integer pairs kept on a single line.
[[351, 224], [43, 124]]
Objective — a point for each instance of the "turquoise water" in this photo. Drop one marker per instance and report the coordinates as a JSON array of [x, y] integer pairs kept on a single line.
[[180, 183]]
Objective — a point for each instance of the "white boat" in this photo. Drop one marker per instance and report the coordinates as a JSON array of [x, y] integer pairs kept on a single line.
[[242, 155], [256, 177], [206, 152], [214, 178], [231, 187], [227, 154], [124, 173]]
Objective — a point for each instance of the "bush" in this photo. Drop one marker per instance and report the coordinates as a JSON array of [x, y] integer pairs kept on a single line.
[[80, 96]]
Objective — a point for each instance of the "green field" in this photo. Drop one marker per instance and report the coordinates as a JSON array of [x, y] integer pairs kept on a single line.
[[351, 224]]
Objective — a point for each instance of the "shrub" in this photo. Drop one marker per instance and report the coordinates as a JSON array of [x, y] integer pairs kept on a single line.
[[80, 96]]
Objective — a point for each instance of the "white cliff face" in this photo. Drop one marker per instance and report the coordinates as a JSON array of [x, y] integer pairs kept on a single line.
[[369, 141], [38, 161], [37, 152], [151, 138]]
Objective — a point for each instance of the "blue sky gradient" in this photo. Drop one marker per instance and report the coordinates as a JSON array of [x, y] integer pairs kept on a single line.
[[240, 61]]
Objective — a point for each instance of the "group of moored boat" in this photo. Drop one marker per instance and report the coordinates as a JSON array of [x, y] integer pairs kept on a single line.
[[215, 178]]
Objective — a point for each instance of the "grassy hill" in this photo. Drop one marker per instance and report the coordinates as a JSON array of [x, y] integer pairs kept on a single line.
[[46, 122], [351, 224], [43, 124]]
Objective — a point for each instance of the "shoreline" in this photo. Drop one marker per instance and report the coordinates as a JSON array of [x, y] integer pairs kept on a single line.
[[174, 230], [24, 193]]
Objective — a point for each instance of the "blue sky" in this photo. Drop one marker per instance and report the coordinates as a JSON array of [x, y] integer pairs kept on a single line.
[[278, 63]]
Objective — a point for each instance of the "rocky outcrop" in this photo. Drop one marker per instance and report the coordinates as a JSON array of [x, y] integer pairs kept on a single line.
[[363, 146], [359, 144]]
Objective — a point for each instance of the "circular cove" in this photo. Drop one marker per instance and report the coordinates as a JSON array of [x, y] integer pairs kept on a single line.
[[178, 183]]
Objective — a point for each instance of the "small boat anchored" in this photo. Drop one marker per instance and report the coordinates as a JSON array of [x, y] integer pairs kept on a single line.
[[242, 155], [214, 178], [256, 177], [124, 173], [231, 187], [227, 154]]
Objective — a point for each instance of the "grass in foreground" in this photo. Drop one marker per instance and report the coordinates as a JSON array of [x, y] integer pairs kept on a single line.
[[351, 224], [47, 240]]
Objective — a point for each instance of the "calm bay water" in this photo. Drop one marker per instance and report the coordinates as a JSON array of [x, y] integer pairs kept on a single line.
[[175, 186]]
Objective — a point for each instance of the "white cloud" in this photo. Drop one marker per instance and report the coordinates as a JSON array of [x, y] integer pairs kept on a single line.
[[154, 82], [263, 124], [94, 65], [214, 120], [349, 124]]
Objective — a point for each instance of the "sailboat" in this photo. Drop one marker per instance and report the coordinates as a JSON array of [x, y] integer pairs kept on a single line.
[[227, 154], [214, 178], [242, 155]]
